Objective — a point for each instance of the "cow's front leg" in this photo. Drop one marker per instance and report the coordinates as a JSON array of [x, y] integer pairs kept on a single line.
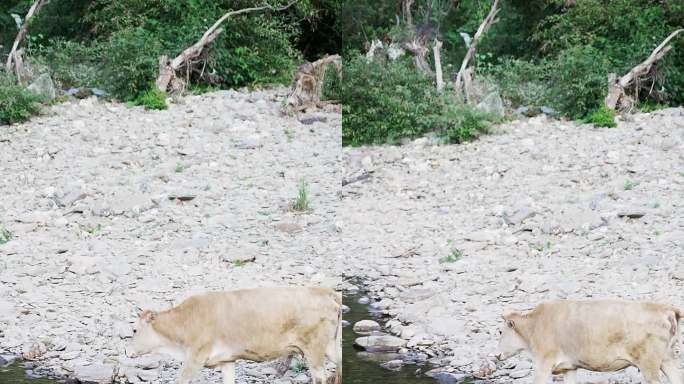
[[542, 371], [192, 365], [671, 370], [570, 377], [228, 371]]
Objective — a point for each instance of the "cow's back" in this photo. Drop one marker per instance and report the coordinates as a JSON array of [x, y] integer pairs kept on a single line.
[[601, 331]]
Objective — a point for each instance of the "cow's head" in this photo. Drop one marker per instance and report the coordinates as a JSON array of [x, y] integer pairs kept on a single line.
[[145, 338], [511, 342]]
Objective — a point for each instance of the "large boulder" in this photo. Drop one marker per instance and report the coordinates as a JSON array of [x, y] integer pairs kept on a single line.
[[43, 86], [493, 105]]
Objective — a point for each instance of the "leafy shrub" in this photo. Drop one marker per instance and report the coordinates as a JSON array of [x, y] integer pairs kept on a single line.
[[332, 88], [462, 123], [383, 103], [129, 62], [16, 103], [72, 63], [602, 117], [152, 99]]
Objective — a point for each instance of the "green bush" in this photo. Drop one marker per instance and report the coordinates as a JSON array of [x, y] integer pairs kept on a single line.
[[602, 117], [129, 62], [153, 99], [462, 123], [383, 103], [16, 103], [71, 63]]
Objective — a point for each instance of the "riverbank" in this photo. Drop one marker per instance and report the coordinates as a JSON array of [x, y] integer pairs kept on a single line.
[[111, 209], [448, 236]]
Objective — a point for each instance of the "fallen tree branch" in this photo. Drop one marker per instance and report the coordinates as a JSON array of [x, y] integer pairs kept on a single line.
[[486, 23], [13, 58], [438, 65], [617, 88], [168, 68], [307, 87]]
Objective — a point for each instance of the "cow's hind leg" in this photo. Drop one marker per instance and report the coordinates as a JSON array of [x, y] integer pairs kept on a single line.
[[228, 372], [316, 364], [671, 370], [650, 371], [570, 377]]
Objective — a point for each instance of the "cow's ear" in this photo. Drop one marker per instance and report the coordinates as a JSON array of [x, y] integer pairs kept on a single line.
[[148, 316], [510, 324]]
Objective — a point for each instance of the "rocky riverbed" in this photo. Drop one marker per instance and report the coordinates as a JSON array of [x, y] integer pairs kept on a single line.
[[448, 236], [109, 209]]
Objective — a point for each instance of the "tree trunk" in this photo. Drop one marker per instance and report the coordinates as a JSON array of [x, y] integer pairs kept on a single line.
[[12, 58], [168, 68], [486, 23], [406, 10], [419, 51], [307, 87], [438, 65], [617, 88]]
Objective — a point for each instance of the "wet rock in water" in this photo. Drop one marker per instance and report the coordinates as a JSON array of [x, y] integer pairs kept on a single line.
[[366, 326], [364, 300], [393, 365], [384, 343]]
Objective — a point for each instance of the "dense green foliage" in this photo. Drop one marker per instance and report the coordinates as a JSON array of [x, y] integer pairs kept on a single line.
[[115, 45], [16, 103], [553, 53], [602, 117], [384, 103], [152, 99]]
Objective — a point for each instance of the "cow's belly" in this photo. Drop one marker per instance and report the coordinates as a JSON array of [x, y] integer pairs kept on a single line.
[[602, 364], [605, 365], [220, 354]]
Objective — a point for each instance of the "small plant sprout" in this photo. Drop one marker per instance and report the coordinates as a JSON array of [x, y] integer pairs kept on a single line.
[[454, 256], [299, 367], [5, 235], [181, 167], [302, 203], [540, 247], [94, 229], [629, 185], [288, 134]]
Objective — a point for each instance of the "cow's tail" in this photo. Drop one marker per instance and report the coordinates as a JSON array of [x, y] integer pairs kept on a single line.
[[338, 340], [673, 317]]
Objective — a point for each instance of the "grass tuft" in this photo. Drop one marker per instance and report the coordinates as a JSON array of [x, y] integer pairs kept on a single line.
[[302, 203]]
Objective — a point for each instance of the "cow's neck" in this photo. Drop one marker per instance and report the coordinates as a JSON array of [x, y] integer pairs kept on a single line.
[[170, 324]]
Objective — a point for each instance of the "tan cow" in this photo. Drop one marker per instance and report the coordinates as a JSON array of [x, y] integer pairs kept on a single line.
[[261, 324], [598, 335]]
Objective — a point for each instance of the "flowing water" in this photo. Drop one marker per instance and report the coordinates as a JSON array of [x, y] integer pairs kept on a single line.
[[358, 368], [16, 373]]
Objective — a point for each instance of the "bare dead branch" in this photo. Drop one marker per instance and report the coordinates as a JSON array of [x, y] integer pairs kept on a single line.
[[617, 88], [12, 58], [486, 23], [168, 69], [438, 65]]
